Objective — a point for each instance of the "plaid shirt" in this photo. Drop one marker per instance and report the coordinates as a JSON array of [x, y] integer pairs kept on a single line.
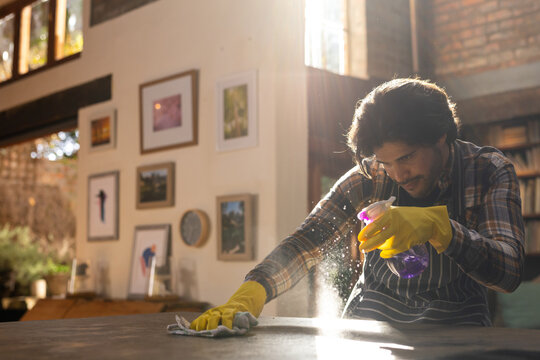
[[479, 186]]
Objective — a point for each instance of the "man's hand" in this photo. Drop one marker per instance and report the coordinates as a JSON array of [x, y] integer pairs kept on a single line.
[[250, 297], [402, 227]]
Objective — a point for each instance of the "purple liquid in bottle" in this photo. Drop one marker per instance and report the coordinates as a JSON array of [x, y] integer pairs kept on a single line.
[[407, 264], [410, 263]]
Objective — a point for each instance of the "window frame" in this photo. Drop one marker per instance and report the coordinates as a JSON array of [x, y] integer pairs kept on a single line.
[[16, 8], [344, 32]]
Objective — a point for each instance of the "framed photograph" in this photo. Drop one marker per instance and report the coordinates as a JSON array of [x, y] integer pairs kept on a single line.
[[103, 206], [169, 112], [155, 186], [237, 112], [150, 241], [235, 228], [103, 130]]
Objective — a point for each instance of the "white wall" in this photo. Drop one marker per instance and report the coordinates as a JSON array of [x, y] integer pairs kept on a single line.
[[220, 38]]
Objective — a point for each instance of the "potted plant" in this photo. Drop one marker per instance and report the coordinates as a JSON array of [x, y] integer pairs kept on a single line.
[[7, 275], [57, 275], [21, 260]]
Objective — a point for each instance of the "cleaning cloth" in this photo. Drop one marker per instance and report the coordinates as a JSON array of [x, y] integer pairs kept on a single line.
[[242, 322]]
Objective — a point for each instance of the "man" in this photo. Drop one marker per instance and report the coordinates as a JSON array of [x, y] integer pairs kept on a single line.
[[461, 200]]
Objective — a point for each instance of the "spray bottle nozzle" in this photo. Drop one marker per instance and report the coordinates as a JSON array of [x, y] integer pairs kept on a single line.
[[373, 211]]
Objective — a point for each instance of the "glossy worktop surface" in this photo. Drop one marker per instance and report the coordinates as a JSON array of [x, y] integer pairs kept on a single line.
[[145, 337]]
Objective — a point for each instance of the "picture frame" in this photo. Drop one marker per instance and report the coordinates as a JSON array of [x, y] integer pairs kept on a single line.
[[155, 186], [103, 199], [236, 120], [148, 241], [102, 130], [235, 227], [169, 112]]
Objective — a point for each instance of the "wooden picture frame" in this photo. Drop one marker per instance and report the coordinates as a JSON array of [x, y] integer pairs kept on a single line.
[[102, 130], [236, 120], [169, 112], [155, 186], [103, 206], [148, 241], [235, 227]]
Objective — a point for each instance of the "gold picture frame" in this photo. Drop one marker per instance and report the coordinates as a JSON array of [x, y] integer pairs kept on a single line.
[[169, 112], [235, 227], [155, 186], [102, 129]]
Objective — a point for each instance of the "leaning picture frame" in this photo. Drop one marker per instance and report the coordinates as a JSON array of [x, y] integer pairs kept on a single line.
[[102, 130], [235, 227], [236, 120], [149, 241], [155, 186], [103, 206], [169, 112]]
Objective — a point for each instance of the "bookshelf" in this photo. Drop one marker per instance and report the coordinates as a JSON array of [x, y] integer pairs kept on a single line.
[[519, 140]]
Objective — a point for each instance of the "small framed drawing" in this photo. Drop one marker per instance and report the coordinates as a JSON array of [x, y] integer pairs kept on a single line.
[[150, 243], [169, 112], [103, 130], [237, 111], [103, 206], [194, 227], [155, 186], [235, 228]]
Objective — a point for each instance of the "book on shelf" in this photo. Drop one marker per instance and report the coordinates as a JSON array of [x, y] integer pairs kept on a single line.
[[513, 135], [529, 197], [532, 237], [525, 160], [537, 196], [529, 190], [534, 131], [519, 139], [522, 186], [510, 135]]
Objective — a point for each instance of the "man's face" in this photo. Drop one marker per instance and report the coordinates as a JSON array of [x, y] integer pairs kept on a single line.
[[415, 168]]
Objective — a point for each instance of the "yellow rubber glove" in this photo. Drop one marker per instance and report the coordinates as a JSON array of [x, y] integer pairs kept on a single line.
[[250, 297], [402, 227]]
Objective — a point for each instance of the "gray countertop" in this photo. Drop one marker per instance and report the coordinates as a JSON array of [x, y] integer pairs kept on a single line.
[[145, 337]]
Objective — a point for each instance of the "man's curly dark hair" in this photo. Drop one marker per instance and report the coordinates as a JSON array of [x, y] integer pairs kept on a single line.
[[410, 110]]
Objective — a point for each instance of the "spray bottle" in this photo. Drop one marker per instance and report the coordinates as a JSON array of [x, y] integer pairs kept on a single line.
[[407, 264]]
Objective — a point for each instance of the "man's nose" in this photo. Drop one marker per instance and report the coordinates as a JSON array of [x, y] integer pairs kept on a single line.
[[401, 173]]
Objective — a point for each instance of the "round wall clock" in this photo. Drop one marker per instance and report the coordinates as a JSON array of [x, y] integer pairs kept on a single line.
[[194, 226]]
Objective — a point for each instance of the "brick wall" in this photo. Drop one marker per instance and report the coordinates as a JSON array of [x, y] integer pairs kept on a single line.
[[472, 36], [40, 194], [16, 166], [388, 38]]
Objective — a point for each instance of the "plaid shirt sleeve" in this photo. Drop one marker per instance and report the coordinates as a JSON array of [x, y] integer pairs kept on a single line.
[[332, 218], [493, 253]]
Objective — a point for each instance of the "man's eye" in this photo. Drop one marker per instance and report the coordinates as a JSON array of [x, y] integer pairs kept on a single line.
[[407, 157]]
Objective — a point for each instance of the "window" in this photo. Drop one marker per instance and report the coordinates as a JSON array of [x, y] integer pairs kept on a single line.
[[7, 30], [34, 35], [69, 38], [38, 34], [326, 45]]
